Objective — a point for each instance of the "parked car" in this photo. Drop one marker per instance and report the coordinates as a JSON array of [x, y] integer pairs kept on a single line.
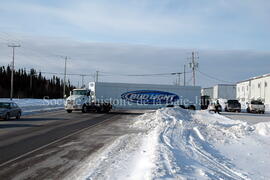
[[256, 106], [9, 110], [215, 107], [232, 106]]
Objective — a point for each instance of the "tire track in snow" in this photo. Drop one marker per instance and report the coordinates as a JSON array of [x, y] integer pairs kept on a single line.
[[191, 143]]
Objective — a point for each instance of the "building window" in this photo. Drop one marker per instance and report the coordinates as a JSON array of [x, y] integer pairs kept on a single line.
[[247, 88], [259, 85], [243, 89], [265, 84]]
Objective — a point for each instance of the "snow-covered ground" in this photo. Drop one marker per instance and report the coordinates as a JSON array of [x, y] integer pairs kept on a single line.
[[173, 143], [30, 106]]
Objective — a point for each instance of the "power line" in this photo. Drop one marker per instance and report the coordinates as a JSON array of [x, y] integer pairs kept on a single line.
[[70, 74], [214, 78], [157, 74]]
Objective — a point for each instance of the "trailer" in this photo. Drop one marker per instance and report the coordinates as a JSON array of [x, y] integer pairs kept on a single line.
[[104, 96]]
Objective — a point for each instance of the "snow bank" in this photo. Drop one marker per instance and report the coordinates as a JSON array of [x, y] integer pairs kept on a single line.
[[30, 106], [173, 143]]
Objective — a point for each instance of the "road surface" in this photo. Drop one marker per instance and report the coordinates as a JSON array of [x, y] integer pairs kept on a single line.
[[50, 145], [248, 117]]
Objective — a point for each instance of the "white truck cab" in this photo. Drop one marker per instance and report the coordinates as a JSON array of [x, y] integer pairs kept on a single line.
[[77, 100], [256, 106]]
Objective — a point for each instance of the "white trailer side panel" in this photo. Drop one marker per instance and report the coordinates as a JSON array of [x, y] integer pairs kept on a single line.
[[224, 91], [117, 93]]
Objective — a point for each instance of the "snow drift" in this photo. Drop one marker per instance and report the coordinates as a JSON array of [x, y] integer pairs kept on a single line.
[[30, 106], [173, 143]]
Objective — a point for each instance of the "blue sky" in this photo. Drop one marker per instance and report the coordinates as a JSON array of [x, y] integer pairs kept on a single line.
[[220, 29]]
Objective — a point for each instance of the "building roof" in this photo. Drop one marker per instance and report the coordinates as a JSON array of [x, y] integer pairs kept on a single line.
[[253, 78], [225, 85], [208, 88]]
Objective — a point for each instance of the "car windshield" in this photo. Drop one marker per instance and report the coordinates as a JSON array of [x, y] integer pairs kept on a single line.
[[257, 102], [4, 105], [79, 92], [233, 102]]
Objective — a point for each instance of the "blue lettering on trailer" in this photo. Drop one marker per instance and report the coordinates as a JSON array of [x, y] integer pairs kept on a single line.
[[150, 97]]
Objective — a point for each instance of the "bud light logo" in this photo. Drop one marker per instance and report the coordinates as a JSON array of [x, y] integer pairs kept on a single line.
[[150, 97]]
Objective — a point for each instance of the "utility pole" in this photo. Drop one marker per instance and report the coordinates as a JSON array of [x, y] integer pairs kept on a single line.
[[13, 46], [179, 79], [193, 65], [97, 76], [83, 80], [65, 74], [184, 75]]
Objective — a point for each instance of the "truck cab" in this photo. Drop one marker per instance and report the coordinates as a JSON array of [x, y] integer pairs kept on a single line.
[[77, 100], [256, 106], [232, 106]]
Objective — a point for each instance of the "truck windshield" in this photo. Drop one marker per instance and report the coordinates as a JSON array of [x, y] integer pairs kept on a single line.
[[257, 102], [4, 105], [79, 92], [233, 102]]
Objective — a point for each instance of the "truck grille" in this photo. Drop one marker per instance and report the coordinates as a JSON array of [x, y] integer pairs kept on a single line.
[[70, 102]]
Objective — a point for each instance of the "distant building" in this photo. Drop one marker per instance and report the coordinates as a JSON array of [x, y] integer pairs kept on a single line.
[[224, 91], [207, 92], [220, 91], [254, 89]]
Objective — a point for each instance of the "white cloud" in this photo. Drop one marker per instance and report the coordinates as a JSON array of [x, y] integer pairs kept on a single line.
[[86, 58]]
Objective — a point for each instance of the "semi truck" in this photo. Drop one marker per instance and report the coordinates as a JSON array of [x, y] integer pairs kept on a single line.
[[105, 96]]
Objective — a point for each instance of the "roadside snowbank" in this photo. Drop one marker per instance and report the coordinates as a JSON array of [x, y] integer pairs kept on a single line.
[[173, 143], [30, 106]]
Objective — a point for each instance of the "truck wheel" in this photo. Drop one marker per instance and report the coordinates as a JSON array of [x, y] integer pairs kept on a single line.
[[248, 111], [84, 109], [69, 111], [182, 106], [191, 107]]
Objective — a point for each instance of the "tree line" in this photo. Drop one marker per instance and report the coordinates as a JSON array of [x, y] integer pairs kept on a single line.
[[31, 84]]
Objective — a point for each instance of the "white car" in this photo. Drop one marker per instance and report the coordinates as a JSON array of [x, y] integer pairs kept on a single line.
[[256, 106], [212, 107]]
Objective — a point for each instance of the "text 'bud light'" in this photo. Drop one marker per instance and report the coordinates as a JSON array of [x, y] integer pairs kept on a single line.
[[150, 97]]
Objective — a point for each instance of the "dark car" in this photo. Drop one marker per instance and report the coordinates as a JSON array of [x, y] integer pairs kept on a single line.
[[9, 109], [232, 106]]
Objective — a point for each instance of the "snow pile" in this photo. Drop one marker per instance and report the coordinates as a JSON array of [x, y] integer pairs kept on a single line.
[[263, 129], [173, 143], [30, 106], [267, 108]]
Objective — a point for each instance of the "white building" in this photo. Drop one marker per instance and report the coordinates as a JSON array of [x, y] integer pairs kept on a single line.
[[207, 92], [254, 89], [224, 91]]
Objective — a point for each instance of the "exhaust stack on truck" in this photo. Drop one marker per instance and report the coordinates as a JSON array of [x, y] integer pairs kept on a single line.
[[103, 96]]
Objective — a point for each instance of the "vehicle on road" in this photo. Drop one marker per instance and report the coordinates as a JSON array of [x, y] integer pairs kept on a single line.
[[77, 100], [256, 106], [104, 96], [214, 106], [232, 106], [9, 110]]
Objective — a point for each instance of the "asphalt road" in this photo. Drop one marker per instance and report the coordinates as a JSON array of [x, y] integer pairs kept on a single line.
[[49, 145], [248, 117]]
